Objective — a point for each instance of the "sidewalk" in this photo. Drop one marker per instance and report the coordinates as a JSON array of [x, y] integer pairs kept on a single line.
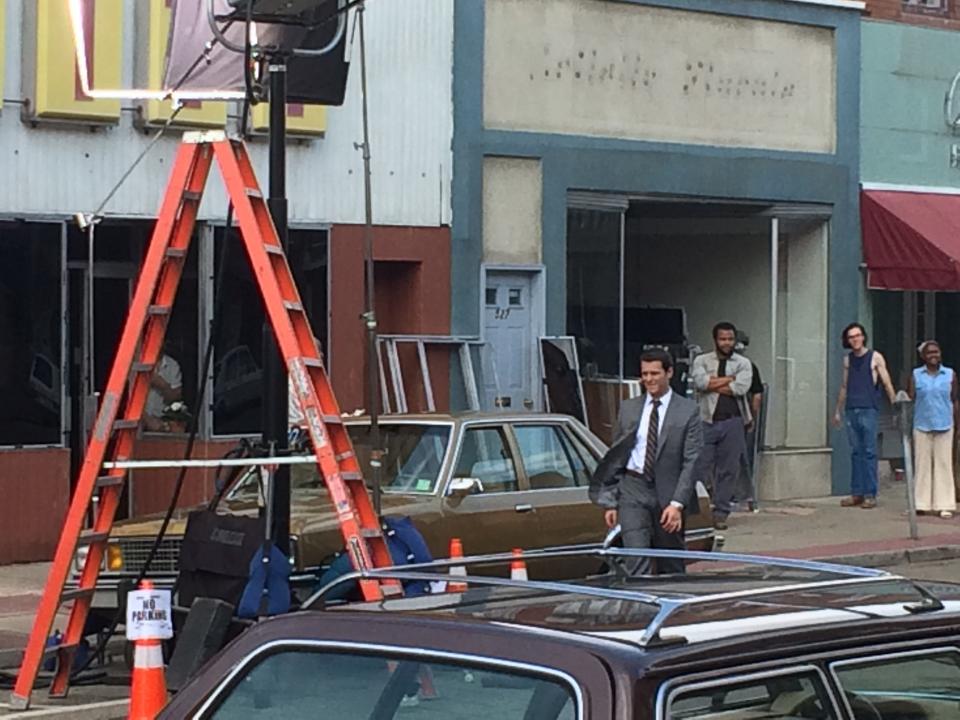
[[808, 528]]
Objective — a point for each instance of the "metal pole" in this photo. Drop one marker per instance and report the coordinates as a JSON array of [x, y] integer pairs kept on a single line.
[[275, 422], [369, 314], [905, 417]]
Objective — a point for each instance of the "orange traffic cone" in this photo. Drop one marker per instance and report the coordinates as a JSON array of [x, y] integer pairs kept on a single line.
[[456, 551], [518, 568], [148, 691]]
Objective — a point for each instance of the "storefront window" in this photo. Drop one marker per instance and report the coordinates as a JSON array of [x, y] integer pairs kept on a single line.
[[798, 411], [593, 289], [238, 346], [30, 333]]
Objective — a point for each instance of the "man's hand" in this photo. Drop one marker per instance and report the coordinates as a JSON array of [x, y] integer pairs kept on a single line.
[[671, 519], [837, 420], [610, 517]]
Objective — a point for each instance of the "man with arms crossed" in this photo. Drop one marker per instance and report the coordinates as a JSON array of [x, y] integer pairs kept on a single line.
[[722, 379], [645, 481]]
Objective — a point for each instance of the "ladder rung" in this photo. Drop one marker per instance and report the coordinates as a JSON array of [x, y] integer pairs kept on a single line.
[[344, 456], [293, 305], [370, 533], [106, 481], [253, 193], [175, 253], [90, 537], [76, 593], [273, 249], [126, 424], [191, 195], [159, 310], [351, 476], [142, 367], [53, 649], [333, 420], [391, 590], [313, 362]]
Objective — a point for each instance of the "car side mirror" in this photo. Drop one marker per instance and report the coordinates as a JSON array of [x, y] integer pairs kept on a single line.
[[461, 487]]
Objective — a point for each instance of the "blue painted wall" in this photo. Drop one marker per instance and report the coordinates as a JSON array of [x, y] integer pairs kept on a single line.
[[590, 163]]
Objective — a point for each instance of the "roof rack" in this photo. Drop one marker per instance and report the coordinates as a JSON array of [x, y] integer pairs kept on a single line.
[[666, 606]]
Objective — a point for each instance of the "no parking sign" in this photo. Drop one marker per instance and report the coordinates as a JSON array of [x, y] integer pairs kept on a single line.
[[148, 615]]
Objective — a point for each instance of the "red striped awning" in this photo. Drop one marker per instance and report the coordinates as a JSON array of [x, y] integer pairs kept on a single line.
[[911, 240]]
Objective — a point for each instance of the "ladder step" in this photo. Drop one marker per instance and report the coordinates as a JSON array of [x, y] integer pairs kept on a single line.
[[54, 649], [159, 310], [370, 533], [293, 305], [142, 367], [76, 593], [313, 362], [351, 476], [333, 420], [106, 481], [273, 249], [391, 590], [175, 253], [191, 195], [90, 537], [126, 424], [344, 456], [253, 193]]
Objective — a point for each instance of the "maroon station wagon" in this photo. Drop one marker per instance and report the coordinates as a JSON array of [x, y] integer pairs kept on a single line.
[[745, 639]]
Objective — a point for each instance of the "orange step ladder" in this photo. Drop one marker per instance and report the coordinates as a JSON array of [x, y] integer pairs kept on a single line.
[[121, 409]]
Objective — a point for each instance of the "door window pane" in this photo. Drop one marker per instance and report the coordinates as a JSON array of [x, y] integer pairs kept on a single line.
[[314, 685], [545, 459], [486, 456], [785, 697], [584, 461], [912, 686], [30, 333]]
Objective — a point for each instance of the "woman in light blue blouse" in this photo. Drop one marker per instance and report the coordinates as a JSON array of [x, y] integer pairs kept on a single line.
[[933, 388]]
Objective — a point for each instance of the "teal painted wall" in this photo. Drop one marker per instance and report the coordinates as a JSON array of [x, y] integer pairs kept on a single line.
[[906, 71]]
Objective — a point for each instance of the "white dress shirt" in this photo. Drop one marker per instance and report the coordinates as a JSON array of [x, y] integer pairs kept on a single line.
[[639, 454]]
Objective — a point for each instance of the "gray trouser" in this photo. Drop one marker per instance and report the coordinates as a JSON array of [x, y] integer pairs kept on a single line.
[[640, 512], [723, 445]]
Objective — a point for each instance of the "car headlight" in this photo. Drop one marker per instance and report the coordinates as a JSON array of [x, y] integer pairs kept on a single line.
[[114, 557]]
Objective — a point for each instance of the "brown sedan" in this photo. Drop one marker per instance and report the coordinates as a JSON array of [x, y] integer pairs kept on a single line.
[[496, 481]]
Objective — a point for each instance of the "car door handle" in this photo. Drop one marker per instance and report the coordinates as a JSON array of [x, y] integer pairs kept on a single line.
[[523, 508]]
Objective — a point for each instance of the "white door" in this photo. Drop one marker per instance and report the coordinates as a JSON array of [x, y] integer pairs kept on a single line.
[[508, 352]]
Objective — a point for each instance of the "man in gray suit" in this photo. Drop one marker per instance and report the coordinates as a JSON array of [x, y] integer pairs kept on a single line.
[[646, 480]]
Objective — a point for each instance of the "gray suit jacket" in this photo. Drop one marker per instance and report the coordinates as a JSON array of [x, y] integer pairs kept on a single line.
[[678, 448]]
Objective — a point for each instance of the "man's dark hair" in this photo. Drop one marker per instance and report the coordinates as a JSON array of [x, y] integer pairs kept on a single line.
[[723, 326], [661, 356], [847, 329]]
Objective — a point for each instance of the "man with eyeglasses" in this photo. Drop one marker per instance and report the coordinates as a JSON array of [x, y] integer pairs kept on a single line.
[[858, 406]]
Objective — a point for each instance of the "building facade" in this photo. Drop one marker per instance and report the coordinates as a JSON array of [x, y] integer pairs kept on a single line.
[[631, 173], [64, 295]]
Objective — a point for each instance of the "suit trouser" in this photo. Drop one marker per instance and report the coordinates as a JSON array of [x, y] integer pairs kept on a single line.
[[933, 460], [723, 446], [639, 514]]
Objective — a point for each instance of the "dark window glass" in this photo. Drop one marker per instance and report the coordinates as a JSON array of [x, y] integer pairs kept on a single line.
[[484, 455], [30, 333], [238, 349], [593, 289], [314, 685], [784, 697], [910, 686]]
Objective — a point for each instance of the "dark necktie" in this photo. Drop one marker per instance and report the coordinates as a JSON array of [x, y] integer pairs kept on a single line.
[[653, 431]]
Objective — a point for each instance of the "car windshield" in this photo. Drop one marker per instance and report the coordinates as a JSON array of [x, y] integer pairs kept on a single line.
[[414, 457], [412, 464]]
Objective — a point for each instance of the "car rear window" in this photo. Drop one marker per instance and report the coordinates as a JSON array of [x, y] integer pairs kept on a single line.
[[303, 683], [788, 695]]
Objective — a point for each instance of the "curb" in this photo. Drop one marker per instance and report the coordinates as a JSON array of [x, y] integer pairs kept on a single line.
[[904, 556], [110, 710]]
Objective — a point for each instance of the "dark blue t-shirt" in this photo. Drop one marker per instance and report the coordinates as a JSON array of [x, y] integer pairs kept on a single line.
[[862, 391]]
